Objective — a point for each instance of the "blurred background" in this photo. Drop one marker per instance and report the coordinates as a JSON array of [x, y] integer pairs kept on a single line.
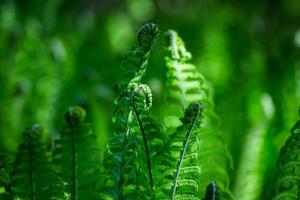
[[56, 53]]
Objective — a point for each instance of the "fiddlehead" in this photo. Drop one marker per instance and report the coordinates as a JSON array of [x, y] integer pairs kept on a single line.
[[77, 156], [288, 179], [135, 63], [142, 99], [212, 192]]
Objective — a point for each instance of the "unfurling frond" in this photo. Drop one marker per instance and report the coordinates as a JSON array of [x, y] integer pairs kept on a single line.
[[77, 156], [123, 156], [135, 63]]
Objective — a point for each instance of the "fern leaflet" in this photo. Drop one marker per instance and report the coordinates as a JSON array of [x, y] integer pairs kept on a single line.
[[287, 184]]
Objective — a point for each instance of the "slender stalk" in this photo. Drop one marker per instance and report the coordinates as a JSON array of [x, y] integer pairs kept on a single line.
[[74, 164], [183, 151], [123, 159], [145, 141]]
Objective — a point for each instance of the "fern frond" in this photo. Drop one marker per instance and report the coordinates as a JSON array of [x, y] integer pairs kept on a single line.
[[135, 63], [186, 85], [287, 184], [252, 165], [141, 100], [150, 132], [181, 180], [191, 118], [32, 173], [122, 150], [77, 156]]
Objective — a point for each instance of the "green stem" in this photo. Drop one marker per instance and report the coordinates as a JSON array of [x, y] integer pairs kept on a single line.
[[74, 164], [183, 151], [123, 160], [147, 152]]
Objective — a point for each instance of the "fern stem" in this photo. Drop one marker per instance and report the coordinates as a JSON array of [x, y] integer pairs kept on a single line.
[[123, 160], [182, 153], [145, 141], [74, 164]]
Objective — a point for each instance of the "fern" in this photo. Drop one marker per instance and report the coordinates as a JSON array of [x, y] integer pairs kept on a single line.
[[32, 173], [191, 120], [77, 156], [252, 166], [142, 99], [180, 181], [120, 159], [151, 135], [186, 85], [287, 184], [212, 192]]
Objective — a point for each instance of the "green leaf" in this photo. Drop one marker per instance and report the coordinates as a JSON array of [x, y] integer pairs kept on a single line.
[[287, 180]]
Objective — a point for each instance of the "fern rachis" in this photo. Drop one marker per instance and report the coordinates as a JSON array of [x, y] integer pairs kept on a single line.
[[196, 108]]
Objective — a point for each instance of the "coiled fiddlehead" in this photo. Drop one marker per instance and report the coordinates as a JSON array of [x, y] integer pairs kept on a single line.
[[77, 156], [212, 192], [186, 85], [32, 174], [122, 155], [135, 62], [287, 185], [142, 99]]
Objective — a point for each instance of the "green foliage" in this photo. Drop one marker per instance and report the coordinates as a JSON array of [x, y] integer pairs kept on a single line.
[[77, 156], [287, 182], [121, 159], [165, 140], [185, 85], [187, 173], [32, 174]]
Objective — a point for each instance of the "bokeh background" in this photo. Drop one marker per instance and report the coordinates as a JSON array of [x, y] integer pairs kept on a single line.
[[56, 53]]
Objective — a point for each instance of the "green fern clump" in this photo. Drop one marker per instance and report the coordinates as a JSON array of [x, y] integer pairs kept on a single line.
[[127, 172], [77, 157], [185, 85], [287, 184], [32, 172], [185, 158]]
